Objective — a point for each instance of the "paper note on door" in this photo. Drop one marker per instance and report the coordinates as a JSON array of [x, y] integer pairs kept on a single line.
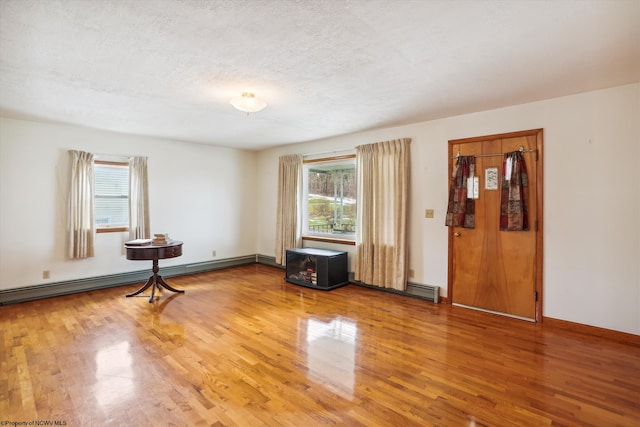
[[473, 190], [491, 179]]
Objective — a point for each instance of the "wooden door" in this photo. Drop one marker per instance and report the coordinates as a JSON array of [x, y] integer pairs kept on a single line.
[[489, 269]]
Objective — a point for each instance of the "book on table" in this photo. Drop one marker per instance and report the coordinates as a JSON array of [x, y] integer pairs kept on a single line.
[[161, 239], [138, 242]]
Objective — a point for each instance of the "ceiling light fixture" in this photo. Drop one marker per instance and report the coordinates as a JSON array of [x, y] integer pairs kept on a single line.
[[248, 103]]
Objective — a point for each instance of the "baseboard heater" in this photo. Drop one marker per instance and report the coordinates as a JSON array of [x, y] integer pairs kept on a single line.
[[30, 293], [432, 293], [428, 292]]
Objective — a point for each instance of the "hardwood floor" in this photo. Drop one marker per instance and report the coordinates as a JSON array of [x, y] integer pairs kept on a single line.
[[244, 348]]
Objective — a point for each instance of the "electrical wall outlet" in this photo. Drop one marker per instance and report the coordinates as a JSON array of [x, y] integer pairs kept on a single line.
[[213, 253], [428, 213], [46, 274], [412, 273]]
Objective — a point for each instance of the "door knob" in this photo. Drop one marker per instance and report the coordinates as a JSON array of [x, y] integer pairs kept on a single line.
[[456, 234]]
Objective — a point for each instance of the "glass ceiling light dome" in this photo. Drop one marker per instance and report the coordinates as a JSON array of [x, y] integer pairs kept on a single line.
[[248, 103]]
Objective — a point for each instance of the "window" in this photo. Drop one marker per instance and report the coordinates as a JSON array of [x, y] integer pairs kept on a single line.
[[111, 196], [329, 200]]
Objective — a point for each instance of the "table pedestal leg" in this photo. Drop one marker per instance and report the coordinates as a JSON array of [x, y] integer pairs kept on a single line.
[[155, 281]]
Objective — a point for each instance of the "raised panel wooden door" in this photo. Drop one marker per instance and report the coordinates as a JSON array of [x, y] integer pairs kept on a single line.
[[492, 269]]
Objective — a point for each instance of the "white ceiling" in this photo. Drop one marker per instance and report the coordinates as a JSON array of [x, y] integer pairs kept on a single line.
[[168, 68]]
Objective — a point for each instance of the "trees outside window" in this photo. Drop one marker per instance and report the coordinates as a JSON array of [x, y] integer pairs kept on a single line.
[[330, 198]]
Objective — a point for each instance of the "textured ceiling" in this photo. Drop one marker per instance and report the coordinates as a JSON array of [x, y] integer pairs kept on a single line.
[[168, 68]]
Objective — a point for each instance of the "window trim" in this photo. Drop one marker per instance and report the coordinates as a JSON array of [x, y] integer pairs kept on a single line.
[[330, 240], [305, 232], [119, 229], [329, 159]]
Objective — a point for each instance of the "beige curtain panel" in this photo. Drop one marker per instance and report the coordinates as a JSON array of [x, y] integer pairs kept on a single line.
[[80, 216], [139, 227], [383, 199], [289, 220]]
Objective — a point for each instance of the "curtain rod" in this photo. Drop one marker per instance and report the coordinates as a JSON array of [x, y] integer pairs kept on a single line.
[[329, 153], [115, 158], [521, 149]]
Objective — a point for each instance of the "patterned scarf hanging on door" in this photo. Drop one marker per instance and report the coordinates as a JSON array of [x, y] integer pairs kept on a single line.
[[514, 200], [461, 209]]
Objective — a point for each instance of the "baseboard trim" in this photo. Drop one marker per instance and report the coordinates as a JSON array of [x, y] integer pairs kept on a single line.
[[30, 293], [623, 337]]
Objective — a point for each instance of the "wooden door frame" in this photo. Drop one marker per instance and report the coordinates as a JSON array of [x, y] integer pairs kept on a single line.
[[538, 133]]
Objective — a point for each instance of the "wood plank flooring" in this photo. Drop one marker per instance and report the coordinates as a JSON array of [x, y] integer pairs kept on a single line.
[[244, 348]]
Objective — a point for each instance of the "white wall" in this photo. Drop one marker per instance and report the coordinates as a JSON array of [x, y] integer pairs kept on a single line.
[[591, 198], [199, 194]]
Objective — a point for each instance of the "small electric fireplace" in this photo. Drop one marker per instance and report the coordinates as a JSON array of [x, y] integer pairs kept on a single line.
[[317, 268]]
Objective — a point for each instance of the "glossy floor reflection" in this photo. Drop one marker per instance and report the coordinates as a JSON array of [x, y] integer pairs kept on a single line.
[[331, 349], [244, 348], [114, 376]]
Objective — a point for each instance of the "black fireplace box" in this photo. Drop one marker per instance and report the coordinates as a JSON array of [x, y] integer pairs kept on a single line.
[[317, 268]]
